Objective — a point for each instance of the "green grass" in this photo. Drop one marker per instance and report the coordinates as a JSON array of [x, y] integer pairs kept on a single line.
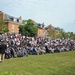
[[49, 64]]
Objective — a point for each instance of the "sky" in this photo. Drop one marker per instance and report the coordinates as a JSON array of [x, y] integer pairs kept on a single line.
[[59, 13]]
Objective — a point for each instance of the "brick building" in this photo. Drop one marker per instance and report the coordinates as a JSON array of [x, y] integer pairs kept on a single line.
[[41, 30], [12, 22]]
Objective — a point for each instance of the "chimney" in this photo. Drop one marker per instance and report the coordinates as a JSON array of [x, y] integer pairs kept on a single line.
[[20, 17], [43, 25], [0, 11], [2, 15]]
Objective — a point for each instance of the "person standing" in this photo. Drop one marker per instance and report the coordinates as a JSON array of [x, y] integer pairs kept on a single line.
[[3, 47]]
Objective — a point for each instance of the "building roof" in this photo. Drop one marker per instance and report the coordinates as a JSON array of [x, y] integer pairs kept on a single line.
[[40, 25], [55, 28], [9, 18]]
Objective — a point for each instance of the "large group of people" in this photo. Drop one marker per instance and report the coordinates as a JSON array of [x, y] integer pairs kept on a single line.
[[19, 46]]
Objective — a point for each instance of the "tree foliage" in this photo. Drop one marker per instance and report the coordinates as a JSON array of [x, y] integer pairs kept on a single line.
[[3, 27], [29, 28], [67, 34], [61, 34]]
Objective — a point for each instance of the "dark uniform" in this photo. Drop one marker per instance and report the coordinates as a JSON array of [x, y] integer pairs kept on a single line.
[[3, 47]]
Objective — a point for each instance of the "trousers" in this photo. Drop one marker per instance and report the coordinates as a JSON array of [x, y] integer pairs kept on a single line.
[[2, 56]]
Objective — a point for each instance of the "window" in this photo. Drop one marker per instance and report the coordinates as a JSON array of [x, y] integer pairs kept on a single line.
[[15, 19], [12, 28]]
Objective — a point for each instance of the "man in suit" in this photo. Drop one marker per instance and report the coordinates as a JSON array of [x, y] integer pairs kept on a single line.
[[3, 47]]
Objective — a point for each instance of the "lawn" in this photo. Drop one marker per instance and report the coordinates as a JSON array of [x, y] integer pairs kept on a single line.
[[49, 64]]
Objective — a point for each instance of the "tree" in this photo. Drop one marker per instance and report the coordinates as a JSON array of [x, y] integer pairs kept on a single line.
[[29, 28], [21, 29], [71, 35], [3, 26], [63, 33]]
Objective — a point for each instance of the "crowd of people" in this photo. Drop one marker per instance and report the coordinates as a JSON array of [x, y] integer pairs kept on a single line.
[[19, 46]]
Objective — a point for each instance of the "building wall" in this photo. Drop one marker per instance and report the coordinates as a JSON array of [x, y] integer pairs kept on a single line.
[[40, 32], [12, 27]]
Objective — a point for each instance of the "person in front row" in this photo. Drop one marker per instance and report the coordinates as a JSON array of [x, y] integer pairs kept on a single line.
[[3, 47]]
